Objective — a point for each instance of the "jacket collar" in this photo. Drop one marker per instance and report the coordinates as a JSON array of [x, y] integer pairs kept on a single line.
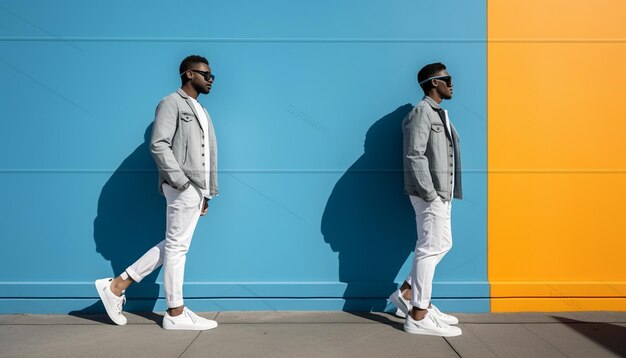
[[182, 93], [431, 102]]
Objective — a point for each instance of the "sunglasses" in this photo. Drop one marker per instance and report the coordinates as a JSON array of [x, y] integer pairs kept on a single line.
[[446, 79], [206, 74]]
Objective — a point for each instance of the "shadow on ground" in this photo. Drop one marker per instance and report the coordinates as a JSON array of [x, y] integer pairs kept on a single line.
[[609, 336], [369, 220], [386, 318]]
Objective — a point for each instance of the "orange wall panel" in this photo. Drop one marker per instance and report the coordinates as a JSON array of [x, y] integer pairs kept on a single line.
[[575, 20], [557, 155]]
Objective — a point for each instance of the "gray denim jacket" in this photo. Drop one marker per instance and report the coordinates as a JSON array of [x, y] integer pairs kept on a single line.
[[177, 144], [428, 153]]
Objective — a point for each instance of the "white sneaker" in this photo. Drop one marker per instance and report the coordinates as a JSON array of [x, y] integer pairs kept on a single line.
[[187, 321], [445, 318], [112, 304], [403, 306], [430, 325]]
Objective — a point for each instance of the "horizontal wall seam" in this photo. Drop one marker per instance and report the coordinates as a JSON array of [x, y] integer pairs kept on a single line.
[[314, 171], [285, 283], [307, 297], [246, 39], [314, 39], [553, 297], [238, 298], [555, 40], [225, 171]]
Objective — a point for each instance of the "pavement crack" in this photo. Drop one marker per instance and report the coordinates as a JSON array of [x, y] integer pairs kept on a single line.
[[457, 353], [545, 341], [467, 329], [192, 342]]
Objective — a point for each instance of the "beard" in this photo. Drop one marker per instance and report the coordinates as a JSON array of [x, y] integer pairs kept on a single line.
[[201, 89]]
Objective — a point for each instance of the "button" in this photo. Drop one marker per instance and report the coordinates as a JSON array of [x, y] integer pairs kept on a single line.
[[203, 145], [203, 154], [202, 164]]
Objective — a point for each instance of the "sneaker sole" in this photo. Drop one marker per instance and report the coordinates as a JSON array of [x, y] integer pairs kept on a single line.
[[175, 328], [102, 298], [422, 331]]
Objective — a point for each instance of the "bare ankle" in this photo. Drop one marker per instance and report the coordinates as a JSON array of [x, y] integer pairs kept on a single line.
[[115, 288], [118, 285], [418, 314], [176, 311]]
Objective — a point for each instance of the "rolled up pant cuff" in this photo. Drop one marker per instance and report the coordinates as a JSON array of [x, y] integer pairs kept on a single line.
[[174, 304], [133, 275]]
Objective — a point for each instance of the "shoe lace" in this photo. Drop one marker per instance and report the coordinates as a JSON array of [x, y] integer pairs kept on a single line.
[[120, 303], [437, 322], [191, 315], [439, 313]]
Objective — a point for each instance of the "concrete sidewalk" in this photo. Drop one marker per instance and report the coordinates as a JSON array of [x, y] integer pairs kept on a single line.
[[316, 334]]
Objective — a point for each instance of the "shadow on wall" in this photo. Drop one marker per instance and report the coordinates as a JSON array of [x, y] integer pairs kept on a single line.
[[369, 220], [130, 220]]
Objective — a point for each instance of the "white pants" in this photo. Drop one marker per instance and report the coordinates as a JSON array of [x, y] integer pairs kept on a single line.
[[183, 211], [434, 240]]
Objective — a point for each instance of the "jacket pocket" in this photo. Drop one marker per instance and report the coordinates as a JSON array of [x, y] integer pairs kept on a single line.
[[437, 128], [186, 116]]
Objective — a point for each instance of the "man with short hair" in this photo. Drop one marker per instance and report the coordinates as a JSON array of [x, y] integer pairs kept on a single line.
[[432, 177], [184, 148]]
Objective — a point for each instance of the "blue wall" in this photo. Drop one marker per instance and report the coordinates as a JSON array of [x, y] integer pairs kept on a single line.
[[307, 106]]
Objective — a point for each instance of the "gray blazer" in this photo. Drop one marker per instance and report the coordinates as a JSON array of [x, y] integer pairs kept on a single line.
[[428, 150], [177, 144]]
